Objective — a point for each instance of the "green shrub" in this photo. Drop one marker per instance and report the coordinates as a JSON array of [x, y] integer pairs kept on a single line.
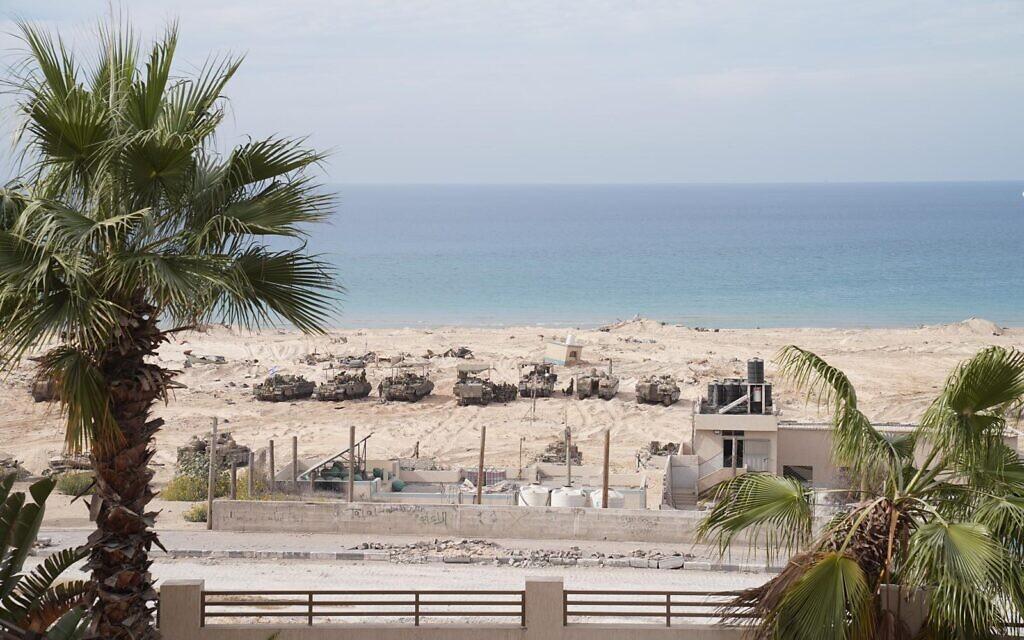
[[243, 486], [193, 489], [74, 483], [196, 513]]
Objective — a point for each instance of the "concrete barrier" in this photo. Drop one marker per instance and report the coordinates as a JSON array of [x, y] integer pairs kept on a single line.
[[467, 521], [181, 618]]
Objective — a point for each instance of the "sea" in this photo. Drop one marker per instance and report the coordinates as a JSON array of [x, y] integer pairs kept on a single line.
[[779, 255]]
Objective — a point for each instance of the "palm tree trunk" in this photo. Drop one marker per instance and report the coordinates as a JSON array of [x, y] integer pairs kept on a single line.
[[119, 561]]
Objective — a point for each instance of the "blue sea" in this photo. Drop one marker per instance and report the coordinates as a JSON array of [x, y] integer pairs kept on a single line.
[[842, 255]]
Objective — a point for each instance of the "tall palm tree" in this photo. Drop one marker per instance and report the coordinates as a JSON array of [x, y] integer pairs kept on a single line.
[[129, 226], [939, 512]]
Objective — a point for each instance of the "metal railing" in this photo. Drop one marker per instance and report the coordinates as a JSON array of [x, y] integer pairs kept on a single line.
[[659, 607], [323, 606]]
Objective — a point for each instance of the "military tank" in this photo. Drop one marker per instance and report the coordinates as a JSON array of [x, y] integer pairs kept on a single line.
[[602, 384], [346, 385], [279, 388], [471, 387], [657, 389], [537, 379], [405, 385]]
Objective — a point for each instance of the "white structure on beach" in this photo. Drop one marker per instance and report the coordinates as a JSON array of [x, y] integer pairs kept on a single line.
[[565, 354]]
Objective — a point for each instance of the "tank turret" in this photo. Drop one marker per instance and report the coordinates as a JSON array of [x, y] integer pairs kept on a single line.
[[346, 385], [537, 380]]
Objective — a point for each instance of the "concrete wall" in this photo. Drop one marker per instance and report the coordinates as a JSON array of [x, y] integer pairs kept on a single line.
[[181, 611], [542, 523]]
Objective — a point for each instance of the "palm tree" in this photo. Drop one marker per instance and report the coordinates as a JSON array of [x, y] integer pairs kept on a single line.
[[128, 227], [938, 512]]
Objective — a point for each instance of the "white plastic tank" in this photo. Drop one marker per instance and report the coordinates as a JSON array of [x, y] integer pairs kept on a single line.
[[569, 497], [534, 495], [615, 499]]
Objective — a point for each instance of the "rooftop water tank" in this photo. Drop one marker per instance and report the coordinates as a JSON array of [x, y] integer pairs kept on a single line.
[[615, 499], [534, 495], [569, 497], [755, 370]]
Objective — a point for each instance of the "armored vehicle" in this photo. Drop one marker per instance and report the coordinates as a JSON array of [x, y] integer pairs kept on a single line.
[[44, 390], [602, 384], [537, 380], [278, 388], [472, 387], [346, 385], [352, 362], [657, 389], [405, 385]]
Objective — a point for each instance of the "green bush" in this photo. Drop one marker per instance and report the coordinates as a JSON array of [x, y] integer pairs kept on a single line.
[[74, 483], [243, 487], [196, 513], [193, 489]]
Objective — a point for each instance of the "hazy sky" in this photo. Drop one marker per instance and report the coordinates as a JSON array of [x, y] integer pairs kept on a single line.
[[601, 91]]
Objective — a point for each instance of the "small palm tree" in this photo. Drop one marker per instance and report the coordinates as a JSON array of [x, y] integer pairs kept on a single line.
[[129, 226], [939, 512], [35, 602]]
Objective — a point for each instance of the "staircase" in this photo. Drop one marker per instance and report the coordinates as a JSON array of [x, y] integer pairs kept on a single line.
[[682, 481]]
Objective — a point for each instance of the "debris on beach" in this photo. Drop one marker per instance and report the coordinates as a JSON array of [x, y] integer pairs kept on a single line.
[[192, 359], [64, 463], [313, 359]]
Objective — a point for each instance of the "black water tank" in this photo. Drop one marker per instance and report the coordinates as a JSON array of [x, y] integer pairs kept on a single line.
[[713, 393], [733, 391], [768, 396], [755, 370]]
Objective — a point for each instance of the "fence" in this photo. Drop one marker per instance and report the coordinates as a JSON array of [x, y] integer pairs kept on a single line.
[[660, 606], [316, 607], [543, 610]]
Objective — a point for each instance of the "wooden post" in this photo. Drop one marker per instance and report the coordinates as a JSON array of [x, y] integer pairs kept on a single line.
[[252, 475], [273, 472], [568, 456], [480, 469], [212, 486], [604, 482], [295, 464], [233, 490], [416, 451], [352, 463]]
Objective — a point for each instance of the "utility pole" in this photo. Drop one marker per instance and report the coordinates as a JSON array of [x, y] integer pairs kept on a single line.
[[352, 463], [568, 456], [295, 464], [480, 469], [604, 482], [211, 451], [273, 471]]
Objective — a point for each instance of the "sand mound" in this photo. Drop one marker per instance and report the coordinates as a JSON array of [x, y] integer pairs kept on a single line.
[[976, 327]]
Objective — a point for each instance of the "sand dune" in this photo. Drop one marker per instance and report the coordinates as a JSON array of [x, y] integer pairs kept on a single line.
[[896, 371]]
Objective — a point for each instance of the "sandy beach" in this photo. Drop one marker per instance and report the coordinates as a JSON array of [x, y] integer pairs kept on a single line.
[[896, 372]]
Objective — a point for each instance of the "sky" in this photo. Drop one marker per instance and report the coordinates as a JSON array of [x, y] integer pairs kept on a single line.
[[630, 91]]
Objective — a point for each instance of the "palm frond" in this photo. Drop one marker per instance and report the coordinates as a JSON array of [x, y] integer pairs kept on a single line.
[[963, 568], [84, 396], [768, 507], [856, 444], [831, 600]]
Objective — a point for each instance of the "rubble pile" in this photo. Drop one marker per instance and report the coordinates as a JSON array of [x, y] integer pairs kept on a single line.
[[467, 551], [555, 453], [64, 463], [9, 465]]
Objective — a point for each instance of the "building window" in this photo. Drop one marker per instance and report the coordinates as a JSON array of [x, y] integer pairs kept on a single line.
[[732, 453], [803, 473]]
